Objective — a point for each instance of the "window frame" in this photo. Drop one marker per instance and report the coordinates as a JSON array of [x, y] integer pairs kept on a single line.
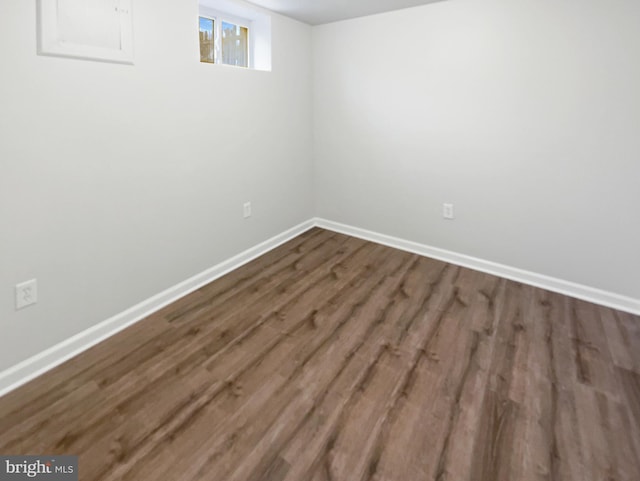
[[218, 18], [215, 23]]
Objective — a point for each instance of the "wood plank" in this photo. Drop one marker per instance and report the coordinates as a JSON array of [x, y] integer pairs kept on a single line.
[[623, 337], [593, 360], [630, 408]]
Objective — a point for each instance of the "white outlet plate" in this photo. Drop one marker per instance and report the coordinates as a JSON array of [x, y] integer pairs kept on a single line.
[[247, 210], [26, 293], [447, 211]]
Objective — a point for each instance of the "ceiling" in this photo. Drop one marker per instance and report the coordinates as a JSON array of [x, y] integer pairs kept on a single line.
[[316, 12]]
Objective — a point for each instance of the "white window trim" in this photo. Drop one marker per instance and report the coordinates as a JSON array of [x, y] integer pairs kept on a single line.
[[218, 18], [256, 19]]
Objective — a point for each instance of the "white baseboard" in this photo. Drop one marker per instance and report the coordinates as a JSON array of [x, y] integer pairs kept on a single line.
[[590, 294], [33, 367]]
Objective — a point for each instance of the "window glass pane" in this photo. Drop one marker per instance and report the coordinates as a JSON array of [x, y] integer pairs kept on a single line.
[[235, 44], [206, 40]]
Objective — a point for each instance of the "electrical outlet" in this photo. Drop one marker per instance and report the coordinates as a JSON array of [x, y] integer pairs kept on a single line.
[[447, 211], [26, 293], [247, 209]]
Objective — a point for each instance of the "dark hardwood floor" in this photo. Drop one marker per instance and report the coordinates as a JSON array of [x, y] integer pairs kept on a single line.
[[335, 359]]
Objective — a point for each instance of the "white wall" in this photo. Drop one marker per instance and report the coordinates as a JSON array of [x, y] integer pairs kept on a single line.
[[117, 182], [525, 115]]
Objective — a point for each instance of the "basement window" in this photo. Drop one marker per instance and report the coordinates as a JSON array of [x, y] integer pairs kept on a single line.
[[234, 34]]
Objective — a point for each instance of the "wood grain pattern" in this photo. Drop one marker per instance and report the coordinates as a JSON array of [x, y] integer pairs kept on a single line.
[[335, 359]]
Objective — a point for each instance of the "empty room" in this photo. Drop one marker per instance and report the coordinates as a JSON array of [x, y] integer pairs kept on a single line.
[[320, 240]]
